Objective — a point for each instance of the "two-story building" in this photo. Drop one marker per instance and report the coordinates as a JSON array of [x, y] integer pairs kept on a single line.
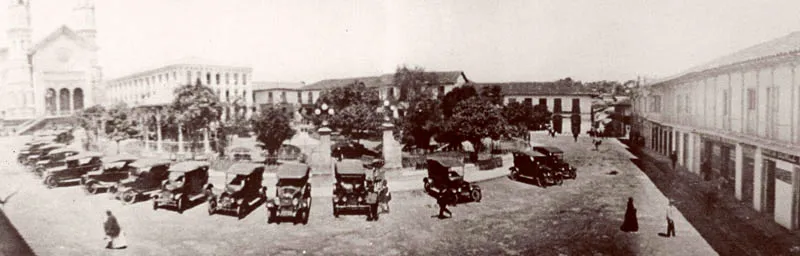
[[286, 94], [384, 84], [736, 120]]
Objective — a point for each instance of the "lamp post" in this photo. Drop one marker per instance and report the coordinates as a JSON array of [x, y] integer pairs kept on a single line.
[[324, 162], [391, 149]]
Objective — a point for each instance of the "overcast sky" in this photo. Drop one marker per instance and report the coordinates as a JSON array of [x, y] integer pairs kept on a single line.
[[492, 41]]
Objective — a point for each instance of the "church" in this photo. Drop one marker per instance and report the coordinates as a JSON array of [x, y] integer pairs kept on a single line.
[[50, 78]]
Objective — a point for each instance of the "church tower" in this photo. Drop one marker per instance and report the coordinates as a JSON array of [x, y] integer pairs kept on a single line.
[[84, 24], [18, 84]]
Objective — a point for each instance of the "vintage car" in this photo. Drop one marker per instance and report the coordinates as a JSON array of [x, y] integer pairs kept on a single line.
[[144, 179], [242, 190], [185, 184], [115, 168], [444, 177], [54, 158], [75, 166], [352, 150], [292, 194], [350, 187], [555, 159], [40, 152], [29, 149], [531, 165]]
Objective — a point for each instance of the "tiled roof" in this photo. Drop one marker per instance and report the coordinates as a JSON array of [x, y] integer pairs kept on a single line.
[[262, 85], [788, 44], [536, 88], [447, 77]]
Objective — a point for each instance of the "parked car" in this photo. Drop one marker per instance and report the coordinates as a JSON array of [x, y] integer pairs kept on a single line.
[[185, 184], [292, 194], [144, 179], [446, 175], [39, 152], [352, 150], [531, 165], [242, 190], [75, 167], [29, 149], [350, 187], [555, 160], [54, 158], [115, 168]]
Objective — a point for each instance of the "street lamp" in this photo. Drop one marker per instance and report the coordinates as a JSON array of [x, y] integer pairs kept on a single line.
[[324, 112], [388, 111]]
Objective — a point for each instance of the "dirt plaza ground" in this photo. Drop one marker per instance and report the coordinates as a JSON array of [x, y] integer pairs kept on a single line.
[[581, 217]]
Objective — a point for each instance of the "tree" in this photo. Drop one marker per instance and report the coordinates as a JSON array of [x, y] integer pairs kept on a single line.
[[493, 94], [358, 121], [272, 127], [89, 119], [540, 117], [119, 126], [422, 121], [519, 117], [356, 93], [474, 119], [413, 83], [196, 107], [457, 95]]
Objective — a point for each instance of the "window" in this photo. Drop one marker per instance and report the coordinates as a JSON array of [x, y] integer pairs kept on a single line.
[[656, 104], [208, 78], [218, 78], [528, 101], [512, 100], [188, 77], [557, 105], [576, 106], [726, 103], [244, 78], [687, 101], [269, 97], [235, 78], [310, 98], [299, 97], [543, 101], [751, 99], [390, 93], [283, 97], [227, 78]]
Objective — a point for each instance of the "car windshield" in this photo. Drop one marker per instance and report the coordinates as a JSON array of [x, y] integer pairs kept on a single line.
[[176, 176], [351, 183], [136, 172], [288, 191], [114, 165], [238, 180]]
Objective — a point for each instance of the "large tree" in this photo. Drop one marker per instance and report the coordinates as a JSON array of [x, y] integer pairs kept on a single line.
[[272, 127], [90, 120], [354, 106], [456, 96], [493, 94], [196, 107], [421, 122], [474, 119], [120, 125], [359, 121], [414, 83]]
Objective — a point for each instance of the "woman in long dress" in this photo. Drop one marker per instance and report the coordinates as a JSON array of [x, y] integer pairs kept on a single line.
[[114, 235], [630, 224]]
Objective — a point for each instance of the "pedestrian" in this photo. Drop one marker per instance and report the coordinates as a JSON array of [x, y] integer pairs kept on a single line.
[[441, 199], [372, 201], [114, 235], [596, 143], [630, 223], [575, 136], [674, 158], [670, 222]]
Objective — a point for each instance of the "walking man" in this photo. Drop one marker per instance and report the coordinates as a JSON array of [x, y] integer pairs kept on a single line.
[[674, 158], [441, 200], [113, 233], [670, 223]]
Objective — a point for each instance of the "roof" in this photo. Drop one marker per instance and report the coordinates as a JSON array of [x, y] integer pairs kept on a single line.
[[168, 65], [445, 77], [52, 145], [63, 30], [188, 166], [83, 155], [243, 168], [549, 149], [536, 88], [446, 161], [786, 45], [350, 167], [65, 149], [263, 85], [119, 158], [293, 171], [531, 153], [150, 162]]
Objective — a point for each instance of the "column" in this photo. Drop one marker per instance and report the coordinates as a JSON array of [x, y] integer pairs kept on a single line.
[[679, 147], [146, 136], [206, 143], [180, 138], [391, 149], [159, 145], [690, 156], [674, 141], [738, 165], [758, 174], [58, 102], [71, 101]]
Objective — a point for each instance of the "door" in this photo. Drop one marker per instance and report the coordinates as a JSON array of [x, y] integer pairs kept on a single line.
[[769, 187], [748, 166]]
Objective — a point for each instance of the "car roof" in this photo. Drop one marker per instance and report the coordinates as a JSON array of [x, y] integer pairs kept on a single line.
[[150, 162], [119, 158], [65, 149], [447, 161], [82, 155], [243, 168], [188, 166], [240, 150], [52, 145], [293, 171], [531, 153], [549, 149], [350, 167]]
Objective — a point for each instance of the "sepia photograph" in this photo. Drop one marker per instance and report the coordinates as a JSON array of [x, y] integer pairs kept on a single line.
[[399, 127]]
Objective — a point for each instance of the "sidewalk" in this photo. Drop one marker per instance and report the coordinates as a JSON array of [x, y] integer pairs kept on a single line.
[[731, 227]]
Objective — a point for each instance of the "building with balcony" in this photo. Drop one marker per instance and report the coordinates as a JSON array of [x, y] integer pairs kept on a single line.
[[735, 120]]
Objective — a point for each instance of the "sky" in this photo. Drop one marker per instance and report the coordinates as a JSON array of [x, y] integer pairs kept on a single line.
[[491, 41]]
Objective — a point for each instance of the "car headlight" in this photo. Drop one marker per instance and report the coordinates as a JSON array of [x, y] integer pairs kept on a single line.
[[175, 196], [276, 201], [360, 199], [459, 190], [295, 201], [344, 199]]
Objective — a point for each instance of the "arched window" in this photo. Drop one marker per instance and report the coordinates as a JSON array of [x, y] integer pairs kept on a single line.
[[63, 97], [77, 99], [218, 80], [227, 96], [208, 78]]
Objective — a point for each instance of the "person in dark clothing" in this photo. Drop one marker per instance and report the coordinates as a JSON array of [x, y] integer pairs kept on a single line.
[[630, 223], [372, 201], [674, 158], [442, 201], [575, 136], [113, 231], [670, 222]]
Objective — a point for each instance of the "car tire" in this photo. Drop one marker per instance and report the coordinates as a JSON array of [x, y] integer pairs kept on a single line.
[[239, 212], [427, 186], [50, 182], [181, 204], [90, 188], [476, 195], [335, 212], [128, 197], [305, 216]]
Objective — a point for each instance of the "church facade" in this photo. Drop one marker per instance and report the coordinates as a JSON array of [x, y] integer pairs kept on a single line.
[[54, 76]]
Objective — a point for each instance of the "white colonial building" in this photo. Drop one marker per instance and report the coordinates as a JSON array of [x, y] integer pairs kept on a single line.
[[740, 115], [155, 86], [51, 77]]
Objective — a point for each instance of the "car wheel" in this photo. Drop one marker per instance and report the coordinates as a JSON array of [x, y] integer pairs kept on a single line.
[[51, 182], [476, 195], [305, 216], [91, 188], [271, 217], [181, 203], [239, 212], [335, 212], [427, 186], [129, 197]]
